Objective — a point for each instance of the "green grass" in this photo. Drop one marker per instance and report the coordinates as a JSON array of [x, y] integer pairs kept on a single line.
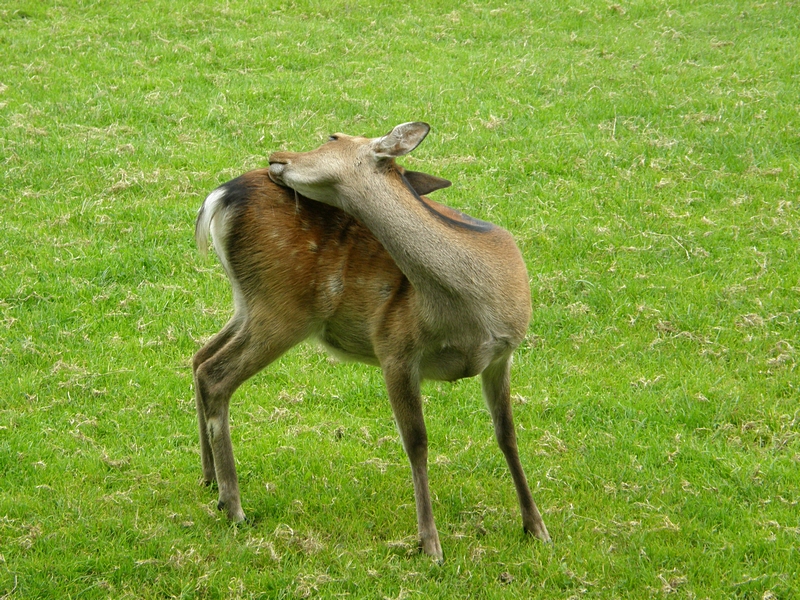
[[645, 155]]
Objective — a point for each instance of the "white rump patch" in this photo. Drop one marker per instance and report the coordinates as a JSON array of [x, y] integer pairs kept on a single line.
[[205, 218], [212, 223]]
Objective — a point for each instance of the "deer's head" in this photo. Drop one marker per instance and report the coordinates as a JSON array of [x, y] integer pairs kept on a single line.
[[347, 166]]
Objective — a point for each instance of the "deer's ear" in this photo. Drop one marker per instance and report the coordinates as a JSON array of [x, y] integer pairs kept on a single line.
[[400, 140], [422, 183]]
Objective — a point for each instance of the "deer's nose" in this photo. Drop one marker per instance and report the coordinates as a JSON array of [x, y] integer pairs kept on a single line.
[[276, 169]]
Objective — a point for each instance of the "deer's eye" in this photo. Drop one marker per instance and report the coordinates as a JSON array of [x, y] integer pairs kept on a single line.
[[333, 138]]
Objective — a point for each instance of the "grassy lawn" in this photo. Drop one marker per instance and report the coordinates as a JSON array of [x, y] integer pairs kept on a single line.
[[646, 155]]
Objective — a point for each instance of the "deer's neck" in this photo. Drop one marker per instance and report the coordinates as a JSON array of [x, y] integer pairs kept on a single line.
[[438, 249]]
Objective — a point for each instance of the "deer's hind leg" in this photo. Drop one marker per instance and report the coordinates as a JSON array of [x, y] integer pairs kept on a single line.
[[497, 393], [237, 353], [210, 349]]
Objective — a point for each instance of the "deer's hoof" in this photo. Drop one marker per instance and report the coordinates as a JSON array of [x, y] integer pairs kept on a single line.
[[539, 531], [235, 515], [433, 549]]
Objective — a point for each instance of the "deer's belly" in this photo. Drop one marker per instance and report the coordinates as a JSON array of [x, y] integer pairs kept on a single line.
[[449, 363], [349, 344]]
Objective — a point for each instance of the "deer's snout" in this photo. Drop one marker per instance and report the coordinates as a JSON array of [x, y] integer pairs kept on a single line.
[[277, 164], [280, 158]]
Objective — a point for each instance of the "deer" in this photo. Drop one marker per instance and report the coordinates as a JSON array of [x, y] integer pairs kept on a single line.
[[342, 245]]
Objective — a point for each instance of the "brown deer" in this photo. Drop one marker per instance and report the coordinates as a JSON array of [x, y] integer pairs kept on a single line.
[[340, 244]]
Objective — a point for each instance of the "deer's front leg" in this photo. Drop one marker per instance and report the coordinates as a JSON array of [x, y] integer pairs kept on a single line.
[[406, 400], [497, 392]]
